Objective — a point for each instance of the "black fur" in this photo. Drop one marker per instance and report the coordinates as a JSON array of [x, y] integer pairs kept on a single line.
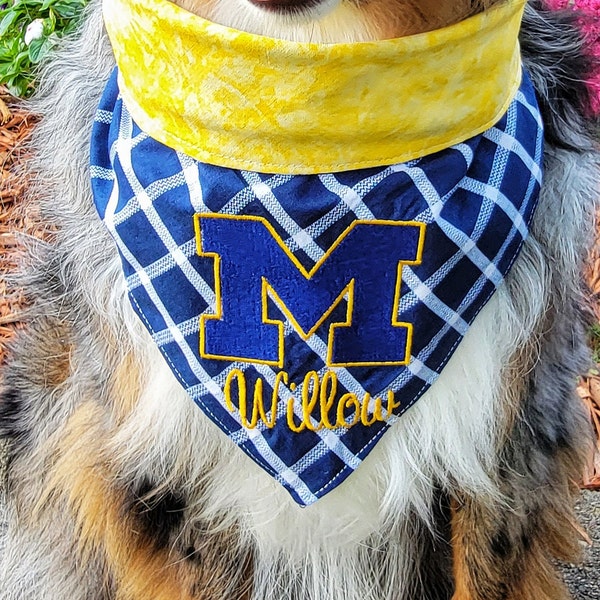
[[159, 515], [434, 575], [11, 408], [554, 52]]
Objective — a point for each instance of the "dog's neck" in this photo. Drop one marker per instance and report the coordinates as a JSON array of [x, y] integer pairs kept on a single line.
[[332, 21]]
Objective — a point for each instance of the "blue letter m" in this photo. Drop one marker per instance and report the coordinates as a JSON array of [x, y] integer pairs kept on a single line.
[[251, 264]]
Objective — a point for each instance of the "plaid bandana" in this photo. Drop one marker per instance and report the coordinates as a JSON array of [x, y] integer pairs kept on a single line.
[[305, 313]]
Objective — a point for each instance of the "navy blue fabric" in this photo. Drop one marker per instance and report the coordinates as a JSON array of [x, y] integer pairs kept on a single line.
[[229, 270]]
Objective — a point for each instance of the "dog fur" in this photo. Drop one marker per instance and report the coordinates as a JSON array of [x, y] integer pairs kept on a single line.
[[330, 21], [118, 487]]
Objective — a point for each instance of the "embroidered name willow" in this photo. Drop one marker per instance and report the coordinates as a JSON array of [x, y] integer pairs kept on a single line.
[[305, 313]]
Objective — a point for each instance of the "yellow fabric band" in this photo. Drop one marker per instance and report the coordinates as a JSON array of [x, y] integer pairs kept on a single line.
[[246, 101]]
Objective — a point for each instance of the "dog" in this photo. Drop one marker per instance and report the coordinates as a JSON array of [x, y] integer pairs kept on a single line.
[[119, 487]]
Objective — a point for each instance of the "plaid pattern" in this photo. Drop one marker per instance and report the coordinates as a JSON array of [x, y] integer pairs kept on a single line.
[[476, 199]]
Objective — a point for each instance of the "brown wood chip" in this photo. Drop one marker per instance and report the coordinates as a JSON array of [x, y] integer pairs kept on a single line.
[[15, 127]]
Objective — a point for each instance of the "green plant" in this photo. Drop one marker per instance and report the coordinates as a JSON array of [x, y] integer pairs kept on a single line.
[[28, 30]]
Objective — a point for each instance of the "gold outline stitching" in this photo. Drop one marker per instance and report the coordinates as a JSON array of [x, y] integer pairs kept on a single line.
[[266, 286]]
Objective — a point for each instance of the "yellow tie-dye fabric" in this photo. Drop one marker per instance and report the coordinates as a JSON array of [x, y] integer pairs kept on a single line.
[[246, 101]]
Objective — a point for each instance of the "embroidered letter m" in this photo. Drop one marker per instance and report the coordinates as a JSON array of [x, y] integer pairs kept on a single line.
[[252, 264]]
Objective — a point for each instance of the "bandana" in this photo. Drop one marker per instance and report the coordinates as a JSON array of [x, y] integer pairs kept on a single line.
[[304, 313]]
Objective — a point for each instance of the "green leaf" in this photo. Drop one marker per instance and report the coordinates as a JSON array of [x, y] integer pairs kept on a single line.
[[18, 62], [18, 86], [51, 22], [9, 48], [38, 49], [66, 9], [9, 18], [22, 58]]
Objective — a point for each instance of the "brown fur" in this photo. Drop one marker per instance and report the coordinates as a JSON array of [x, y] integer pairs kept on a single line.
[[83, 480], [489, 565], [125, 388], [409, 17], [395, 18], [509, 552]]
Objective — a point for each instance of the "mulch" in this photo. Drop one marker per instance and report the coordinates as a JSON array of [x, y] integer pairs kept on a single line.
[[16, 125], [589, 386]]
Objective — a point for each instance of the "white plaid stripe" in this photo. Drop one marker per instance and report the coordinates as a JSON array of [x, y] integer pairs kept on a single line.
[[352, 200], [423, 293], [192, 181], [367, 184], [493, 193], [237, 204], [101, 173], [270, 202], [510, 144], [103, 116], [168, 262], [533, 110]]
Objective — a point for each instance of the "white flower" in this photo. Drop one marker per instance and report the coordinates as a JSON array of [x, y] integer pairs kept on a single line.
[[34, 31]]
